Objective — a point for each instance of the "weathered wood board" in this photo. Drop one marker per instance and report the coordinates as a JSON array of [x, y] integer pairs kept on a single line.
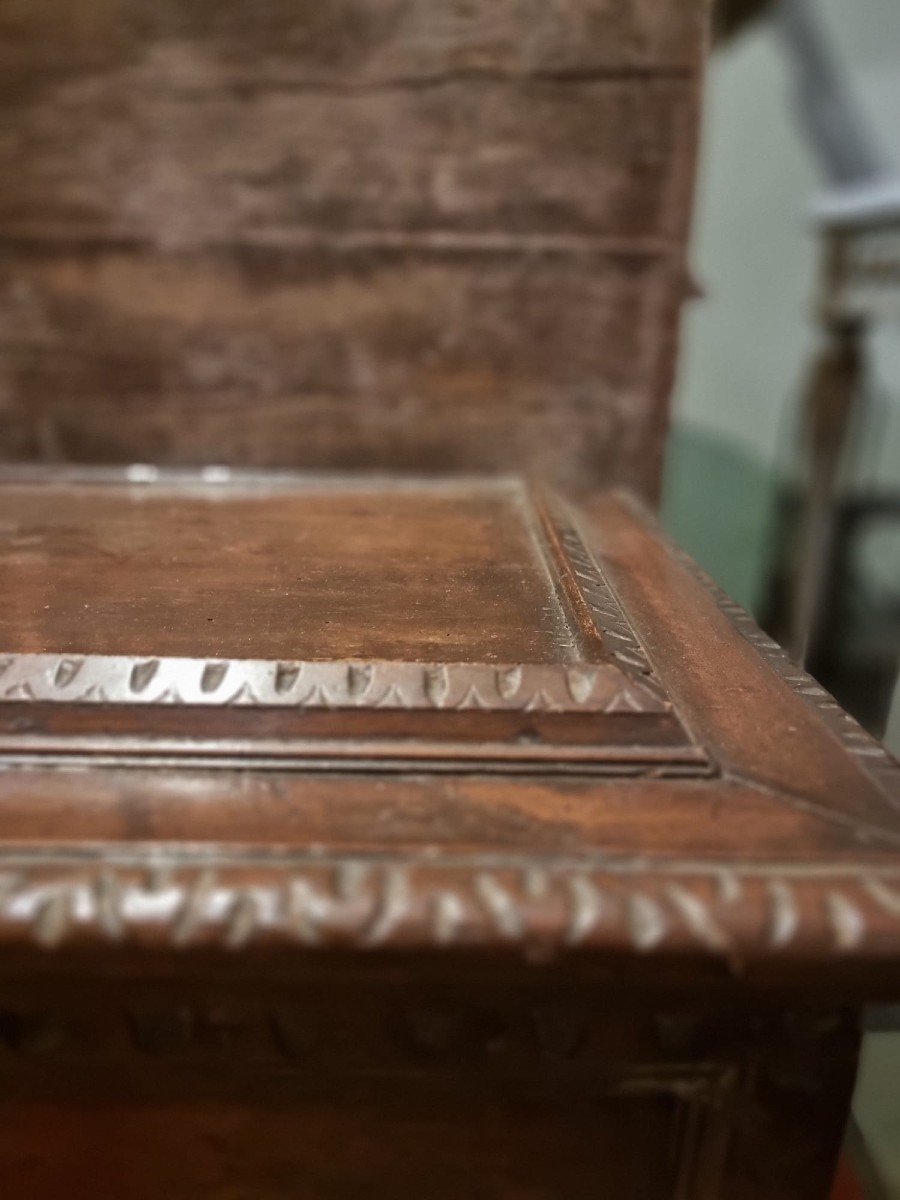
[[400, 235]]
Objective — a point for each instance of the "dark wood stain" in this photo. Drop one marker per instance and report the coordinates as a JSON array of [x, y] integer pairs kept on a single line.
[[378, 836], [235, 924]]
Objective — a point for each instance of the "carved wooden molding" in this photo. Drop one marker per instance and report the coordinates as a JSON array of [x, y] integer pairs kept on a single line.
[[868, 751], [592, 590], [529, 687], [320, 900], [386, 712], [619, 678]]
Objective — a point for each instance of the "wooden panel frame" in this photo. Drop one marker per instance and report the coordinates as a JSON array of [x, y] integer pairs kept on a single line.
[[802, 874], [599, 706]]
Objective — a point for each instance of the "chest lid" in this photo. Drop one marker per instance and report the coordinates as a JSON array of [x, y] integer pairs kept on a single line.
[[457, 715]]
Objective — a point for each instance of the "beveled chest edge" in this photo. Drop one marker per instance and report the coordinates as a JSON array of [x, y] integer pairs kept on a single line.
[[165, 898], [806, 903]]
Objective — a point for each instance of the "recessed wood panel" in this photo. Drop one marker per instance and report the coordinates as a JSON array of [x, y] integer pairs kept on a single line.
[[216, 615], [436, 574]]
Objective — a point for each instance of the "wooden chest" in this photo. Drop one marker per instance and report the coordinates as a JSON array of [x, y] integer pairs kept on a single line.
[[422, 835], [421, 838]]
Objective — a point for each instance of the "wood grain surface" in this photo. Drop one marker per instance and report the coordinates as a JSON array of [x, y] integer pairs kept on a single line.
[[308, 619], [352, 572], [454, 969], [418, 236], [682, 793]]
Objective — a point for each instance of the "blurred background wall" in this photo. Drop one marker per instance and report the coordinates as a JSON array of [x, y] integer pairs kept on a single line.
[[747, 345], [748, 341]]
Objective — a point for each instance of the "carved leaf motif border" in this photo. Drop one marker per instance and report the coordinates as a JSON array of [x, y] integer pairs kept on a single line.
[[534, 687], [625, 683], [309, 901]]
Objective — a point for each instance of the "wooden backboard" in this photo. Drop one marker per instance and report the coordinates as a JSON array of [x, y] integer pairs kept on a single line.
[[404, 234]]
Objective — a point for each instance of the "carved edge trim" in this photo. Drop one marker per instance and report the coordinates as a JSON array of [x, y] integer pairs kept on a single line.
[[607, 612], [875, 760], [530, 687], [159, 900]]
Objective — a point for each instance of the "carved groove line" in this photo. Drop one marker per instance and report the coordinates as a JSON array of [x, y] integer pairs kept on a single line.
[[368, 905], [607, 612]]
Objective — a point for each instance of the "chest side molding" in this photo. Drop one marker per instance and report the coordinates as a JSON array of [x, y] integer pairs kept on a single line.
[[316, 900]]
